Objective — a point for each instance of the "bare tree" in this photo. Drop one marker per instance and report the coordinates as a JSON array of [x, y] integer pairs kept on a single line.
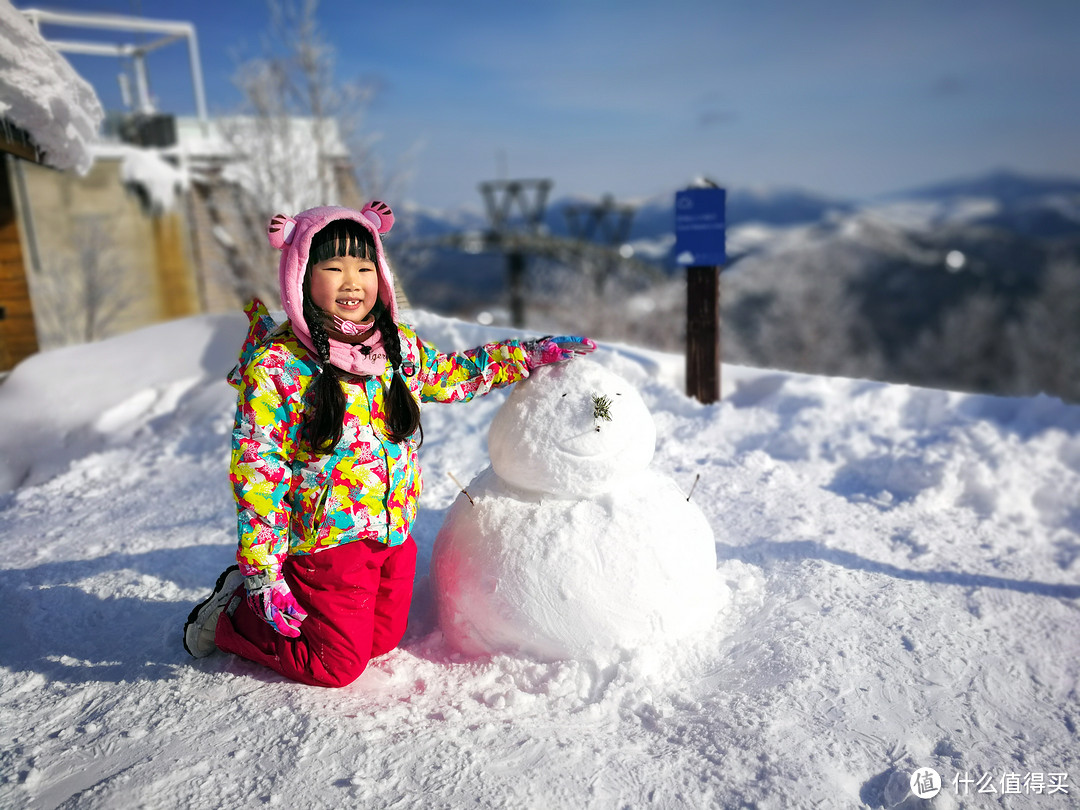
[[296, 143], [797, 311], [631, 307], [1045, 339], [966, 351]]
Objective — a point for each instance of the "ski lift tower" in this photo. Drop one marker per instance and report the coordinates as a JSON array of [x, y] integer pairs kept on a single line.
[[612, 222], [173, 31], [500, 197]]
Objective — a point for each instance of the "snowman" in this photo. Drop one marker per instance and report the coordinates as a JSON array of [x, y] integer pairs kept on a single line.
[[568, 545]]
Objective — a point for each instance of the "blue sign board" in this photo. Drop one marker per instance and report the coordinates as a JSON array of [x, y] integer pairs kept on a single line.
[[700, 226]]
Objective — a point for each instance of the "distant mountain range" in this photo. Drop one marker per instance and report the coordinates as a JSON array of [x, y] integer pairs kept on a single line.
[[1038, 206], [932, 286], [653, 218], [1005, 224], [1032, 206], [1009, 188]]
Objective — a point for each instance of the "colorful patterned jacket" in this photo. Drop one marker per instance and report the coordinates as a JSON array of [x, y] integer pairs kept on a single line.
[[290, 501]]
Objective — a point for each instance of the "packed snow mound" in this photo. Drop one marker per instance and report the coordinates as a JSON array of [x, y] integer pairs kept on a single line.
[[584, 579], [572, 429], [41, 93], [568, 546], [113, 391]]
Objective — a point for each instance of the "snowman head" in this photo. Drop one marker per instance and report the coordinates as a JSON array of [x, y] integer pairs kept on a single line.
[[572, 430]]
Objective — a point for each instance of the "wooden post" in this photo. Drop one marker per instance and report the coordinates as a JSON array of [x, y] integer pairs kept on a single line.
[[703, 333], [700, 224]]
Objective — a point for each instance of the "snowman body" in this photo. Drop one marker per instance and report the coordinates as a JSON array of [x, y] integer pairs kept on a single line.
[[571, 547]]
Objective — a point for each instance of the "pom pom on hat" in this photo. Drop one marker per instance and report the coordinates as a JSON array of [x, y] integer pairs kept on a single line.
[[280, 231], [378, 214]]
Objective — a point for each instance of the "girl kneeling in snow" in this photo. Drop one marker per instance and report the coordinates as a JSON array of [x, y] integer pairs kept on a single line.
[[324, 455]]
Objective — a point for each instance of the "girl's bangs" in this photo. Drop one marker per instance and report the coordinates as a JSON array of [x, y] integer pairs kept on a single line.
[[342, 237]]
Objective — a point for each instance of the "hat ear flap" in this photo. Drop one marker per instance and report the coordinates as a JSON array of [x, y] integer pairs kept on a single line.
[[280, 231], [378, 214]]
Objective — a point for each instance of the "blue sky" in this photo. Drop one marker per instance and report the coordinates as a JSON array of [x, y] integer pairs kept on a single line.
[[635, 98]]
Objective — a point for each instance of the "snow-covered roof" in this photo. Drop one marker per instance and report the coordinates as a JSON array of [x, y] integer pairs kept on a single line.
[[42, 94]]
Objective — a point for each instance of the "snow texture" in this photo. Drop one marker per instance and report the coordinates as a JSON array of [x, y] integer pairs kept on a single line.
[[568, 547], [42, 94], [902, 565], [548, 437]]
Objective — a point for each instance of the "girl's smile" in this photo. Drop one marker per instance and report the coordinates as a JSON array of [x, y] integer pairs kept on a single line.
[[345, 286]]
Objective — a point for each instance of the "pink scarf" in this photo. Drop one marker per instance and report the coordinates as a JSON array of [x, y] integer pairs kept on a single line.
[[356, 347]]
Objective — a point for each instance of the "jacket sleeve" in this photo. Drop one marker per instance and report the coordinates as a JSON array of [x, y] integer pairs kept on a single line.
[[459, 376], [263, 441], [260, 325]]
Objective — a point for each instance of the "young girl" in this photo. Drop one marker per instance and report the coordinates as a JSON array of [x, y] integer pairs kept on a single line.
[[324, 457]]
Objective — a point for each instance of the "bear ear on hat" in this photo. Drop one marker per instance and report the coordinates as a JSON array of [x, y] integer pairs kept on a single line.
[[378, 214], [280, 231]]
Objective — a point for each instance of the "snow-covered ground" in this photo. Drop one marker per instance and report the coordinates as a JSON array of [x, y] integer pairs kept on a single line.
[[903, 566]]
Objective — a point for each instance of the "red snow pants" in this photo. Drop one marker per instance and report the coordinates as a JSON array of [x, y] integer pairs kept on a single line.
[[357, 599]]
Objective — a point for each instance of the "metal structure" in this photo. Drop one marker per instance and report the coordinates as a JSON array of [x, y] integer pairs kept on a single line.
[[500, 197], [556, 248], [522, 237], [611, 222], [173, 31], [611, 219]]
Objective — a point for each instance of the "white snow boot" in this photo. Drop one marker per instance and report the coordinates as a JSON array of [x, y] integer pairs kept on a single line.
[[202, 621]]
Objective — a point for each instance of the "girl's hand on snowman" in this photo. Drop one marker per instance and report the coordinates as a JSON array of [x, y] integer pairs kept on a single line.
[[550, 349], [270, 598]]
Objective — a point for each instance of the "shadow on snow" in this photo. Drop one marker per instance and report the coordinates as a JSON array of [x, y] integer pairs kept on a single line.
[[763, 552]]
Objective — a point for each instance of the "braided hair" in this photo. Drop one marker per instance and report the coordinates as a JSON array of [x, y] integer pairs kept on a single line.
[[402, 412], [324, 419]]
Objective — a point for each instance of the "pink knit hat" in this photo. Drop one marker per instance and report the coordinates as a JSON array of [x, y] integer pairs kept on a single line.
[[293, 235]]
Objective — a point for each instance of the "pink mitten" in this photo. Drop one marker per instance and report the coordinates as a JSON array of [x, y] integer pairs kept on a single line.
[[549, 349], [272, 600]]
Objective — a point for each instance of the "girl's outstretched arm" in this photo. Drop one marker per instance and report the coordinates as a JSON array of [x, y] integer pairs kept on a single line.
[[459, 376]]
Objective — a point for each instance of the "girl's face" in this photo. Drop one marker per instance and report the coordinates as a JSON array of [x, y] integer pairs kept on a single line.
[[345, 286]]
